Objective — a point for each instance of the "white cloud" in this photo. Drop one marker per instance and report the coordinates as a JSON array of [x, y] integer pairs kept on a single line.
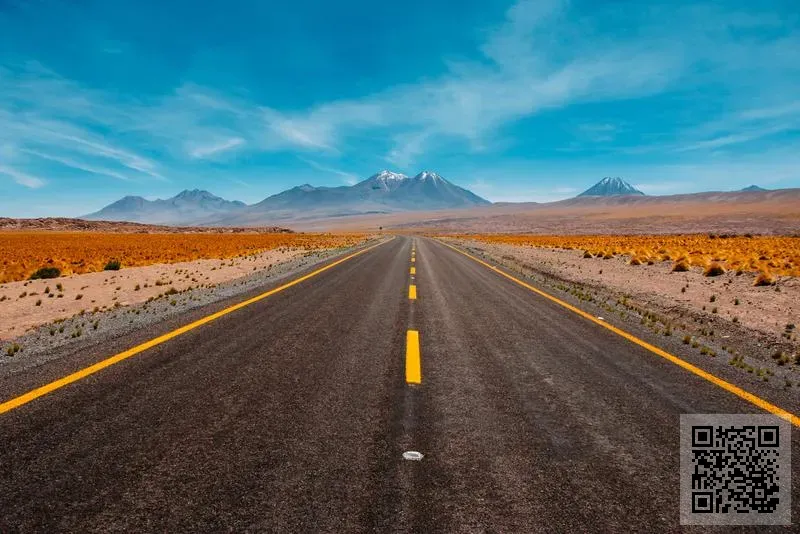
[[348, 177], [474, 99], [733, 139], [407, 147], [74, 164], [200, 152], [22, 178]]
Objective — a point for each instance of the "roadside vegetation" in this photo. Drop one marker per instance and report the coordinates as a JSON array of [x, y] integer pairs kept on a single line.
[[33, 255], [715, 254]]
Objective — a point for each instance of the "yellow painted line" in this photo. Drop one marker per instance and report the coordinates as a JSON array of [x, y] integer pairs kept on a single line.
[[413, 260], [413, 270], [99, 366], [727, 386], [413, 360], [412, 292]]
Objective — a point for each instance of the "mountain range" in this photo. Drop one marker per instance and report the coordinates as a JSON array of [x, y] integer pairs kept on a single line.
[[384, 192], [187, 207]]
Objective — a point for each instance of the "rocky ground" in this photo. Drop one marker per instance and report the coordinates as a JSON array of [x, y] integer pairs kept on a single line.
[[753, 328]]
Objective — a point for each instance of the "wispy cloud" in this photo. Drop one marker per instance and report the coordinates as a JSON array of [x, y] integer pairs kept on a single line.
[[349, 177], [515, 79], [28, 180], [52, 118], [733, 139], [219, 147], [73, 164], [407, 147]]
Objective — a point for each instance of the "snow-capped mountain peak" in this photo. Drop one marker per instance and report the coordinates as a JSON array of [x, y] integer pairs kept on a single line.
[[389, 175], [427, 175], [610, 187]]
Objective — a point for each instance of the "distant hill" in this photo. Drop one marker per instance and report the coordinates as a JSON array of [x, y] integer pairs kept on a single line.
[[611, 187], [752, 188], [187, 207]]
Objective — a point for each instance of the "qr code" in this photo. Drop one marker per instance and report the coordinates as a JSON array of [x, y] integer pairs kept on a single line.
[[735, 470]]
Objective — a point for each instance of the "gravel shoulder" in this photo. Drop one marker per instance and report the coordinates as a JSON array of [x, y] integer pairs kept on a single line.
[[135, 316], [718, 321]]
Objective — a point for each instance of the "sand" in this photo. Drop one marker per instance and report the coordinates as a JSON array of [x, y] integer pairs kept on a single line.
[[107, 289]]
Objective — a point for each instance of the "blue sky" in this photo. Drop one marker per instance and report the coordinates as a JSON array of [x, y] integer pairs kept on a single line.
[[528, 100]]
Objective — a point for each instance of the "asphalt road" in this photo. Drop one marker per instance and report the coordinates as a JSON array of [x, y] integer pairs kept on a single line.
[[292, 414]]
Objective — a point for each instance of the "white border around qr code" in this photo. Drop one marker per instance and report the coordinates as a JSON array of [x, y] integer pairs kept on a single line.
[[701, 505]]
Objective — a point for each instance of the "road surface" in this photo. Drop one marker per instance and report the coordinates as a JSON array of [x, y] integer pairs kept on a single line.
[[292, 414]]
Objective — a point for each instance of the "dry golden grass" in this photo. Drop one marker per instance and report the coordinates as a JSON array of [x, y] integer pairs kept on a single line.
[[23, 253], [773, 255]]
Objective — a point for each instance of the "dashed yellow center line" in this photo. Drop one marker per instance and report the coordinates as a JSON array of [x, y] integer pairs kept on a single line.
[[413, 360], [99, 366], [413, 270], [412, 292], [727, 386]]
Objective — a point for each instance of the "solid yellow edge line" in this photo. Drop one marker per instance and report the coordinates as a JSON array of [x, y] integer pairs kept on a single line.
[[412, 292], [413, 366], [83, 373], [736, 390]]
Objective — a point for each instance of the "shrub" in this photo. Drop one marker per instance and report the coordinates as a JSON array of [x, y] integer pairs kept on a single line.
[[113, 265], [46, 272], [714, 269], [764, 279], [680, 266], [635, 261], [587, 254]]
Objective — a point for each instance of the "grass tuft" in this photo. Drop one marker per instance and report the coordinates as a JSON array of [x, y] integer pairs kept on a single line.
[[45, 272], [764, 279], [680, 266], [714, 269]]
